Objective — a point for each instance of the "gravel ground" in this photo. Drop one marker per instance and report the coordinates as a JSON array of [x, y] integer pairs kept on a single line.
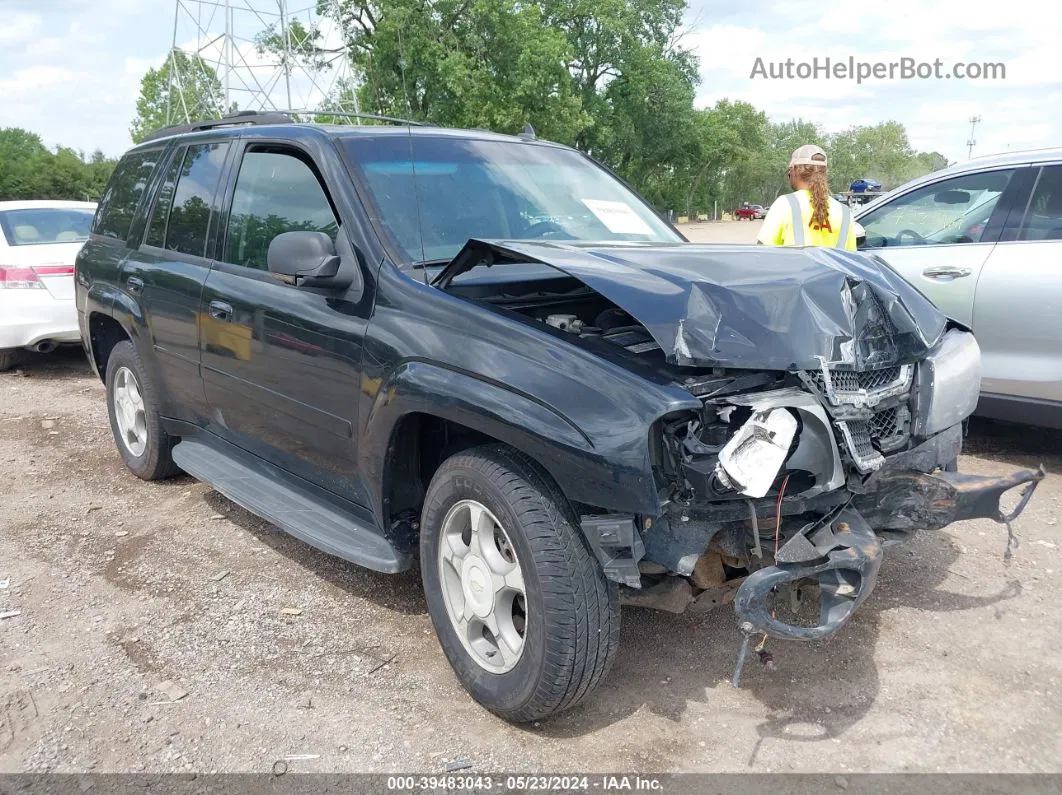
[[162, 628]]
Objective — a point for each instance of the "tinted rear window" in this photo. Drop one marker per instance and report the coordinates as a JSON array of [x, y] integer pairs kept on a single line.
[[45, 225], [193, 198], [156, 235], [118, 205]]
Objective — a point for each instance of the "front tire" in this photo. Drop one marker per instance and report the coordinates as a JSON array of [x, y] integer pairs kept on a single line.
[[132, 404], [520, 604]]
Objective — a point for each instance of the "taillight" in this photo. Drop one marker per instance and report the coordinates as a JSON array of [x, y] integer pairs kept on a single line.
[[19, 278]]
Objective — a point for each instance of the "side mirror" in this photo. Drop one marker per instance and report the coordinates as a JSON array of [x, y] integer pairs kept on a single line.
[[861, 241], [307, 259]]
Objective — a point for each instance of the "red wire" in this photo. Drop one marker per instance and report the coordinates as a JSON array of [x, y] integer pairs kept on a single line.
[[778, 514]]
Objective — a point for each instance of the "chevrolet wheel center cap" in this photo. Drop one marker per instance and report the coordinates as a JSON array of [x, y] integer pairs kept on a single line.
[[477, 585]]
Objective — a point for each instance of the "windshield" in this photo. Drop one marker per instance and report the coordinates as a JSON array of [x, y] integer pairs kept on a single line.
[[433, 194], [46, 225]]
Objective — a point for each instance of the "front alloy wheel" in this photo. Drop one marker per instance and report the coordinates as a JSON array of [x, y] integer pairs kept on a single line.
[[483, 586], [520, 603]]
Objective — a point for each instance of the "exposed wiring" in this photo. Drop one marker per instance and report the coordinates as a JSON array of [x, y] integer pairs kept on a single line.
[[778, 515], [765, 656]]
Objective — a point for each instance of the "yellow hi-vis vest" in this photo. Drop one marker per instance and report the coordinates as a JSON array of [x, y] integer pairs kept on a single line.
[[788, 223]]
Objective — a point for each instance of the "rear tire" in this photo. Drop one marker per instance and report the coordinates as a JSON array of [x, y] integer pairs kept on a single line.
[[132, 404], [9, 358], [565, 613]]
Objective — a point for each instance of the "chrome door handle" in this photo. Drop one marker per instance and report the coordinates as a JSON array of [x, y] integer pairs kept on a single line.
[[946, 272], [219, 310]]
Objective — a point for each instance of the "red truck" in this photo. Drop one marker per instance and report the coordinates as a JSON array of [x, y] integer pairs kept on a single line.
[[750, 212]]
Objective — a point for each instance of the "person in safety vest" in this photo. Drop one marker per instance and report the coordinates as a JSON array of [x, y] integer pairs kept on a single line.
[[809, 216]]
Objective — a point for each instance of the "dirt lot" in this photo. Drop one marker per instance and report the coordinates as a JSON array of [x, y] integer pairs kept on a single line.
[[123, 586], [722, 232]]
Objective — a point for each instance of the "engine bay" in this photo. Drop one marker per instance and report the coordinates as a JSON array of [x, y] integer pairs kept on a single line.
[[563, 303]]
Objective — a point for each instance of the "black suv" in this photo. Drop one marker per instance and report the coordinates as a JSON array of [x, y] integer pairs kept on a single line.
[[489, 353]]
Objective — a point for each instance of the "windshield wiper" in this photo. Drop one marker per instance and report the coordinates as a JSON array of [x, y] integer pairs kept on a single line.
[[431, 263]]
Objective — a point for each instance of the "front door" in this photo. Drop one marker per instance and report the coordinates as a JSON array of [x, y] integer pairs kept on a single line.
[[282, 364], [939, 236]]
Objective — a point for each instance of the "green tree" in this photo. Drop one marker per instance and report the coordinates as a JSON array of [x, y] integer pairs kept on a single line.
[[880, 152], [462, 63], [23, 158], [185, 88], [29, 170], [610, 77], [606, 75]]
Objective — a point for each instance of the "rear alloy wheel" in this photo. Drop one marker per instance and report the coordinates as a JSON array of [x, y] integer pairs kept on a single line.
[[521, 606], [133, 408], [129, 412]]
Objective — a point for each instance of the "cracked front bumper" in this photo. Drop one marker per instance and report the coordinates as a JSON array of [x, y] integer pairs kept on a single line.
[[843, 552]]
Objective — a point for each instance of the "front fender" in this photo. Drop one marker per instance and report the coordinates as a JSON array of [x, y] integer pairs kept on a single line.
[[619, 480]]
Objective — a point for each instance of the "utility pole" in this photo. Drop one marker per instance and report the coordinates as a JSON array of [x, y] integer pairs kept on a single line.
[[974, 121]]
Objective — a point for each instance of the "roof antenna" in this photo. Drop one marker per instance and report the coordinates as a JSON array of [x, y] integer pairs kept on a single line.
[[528, 133]]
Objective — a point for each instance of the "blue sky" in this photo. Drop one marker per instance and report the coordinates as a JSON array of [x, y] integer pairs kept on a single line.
[[70, 69]]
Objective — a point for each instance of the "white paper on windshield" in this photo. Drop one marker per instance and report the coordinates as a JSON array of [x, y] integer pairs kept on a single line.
[[618, 217]]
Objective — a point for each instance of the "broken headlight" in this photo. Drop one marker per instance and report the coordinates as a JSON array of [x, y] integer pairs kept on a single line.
[[751, 460]]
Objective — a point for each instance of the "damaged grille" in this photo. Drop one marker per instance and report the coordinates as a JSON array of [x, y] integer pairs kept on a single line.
[[891, 428], [882, 392], [847, 381], [866, 388]]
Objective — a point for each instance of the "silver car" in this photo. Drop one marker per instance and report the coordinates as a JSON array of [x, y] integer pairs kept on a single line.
[[983, 241]]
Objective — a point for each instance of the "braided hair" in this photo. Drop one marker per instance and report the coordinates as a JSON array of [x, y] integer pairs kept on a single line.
[[815, 178]]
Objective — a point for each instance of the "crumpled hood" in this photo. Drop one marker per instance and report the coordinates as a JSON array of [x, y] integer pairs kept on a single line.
[[744, 306]]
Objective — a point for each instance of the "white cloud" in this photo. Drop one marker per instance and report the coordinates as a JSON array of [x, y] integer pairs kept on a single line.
[[19, 27], [1023, 110]]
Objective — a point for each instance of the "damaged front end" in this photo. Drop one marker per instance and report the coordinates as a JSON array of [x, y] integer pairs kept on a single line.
[[831, 399], [797, 488]]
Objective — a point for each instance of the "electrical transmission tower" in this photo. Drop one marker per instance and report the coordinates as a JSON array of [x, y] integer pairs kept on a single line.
[[253, 53]]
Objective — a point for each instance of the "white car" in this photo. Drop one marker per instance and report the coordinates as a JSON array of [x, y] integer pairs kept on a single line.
[[38, 243], [983, 241]]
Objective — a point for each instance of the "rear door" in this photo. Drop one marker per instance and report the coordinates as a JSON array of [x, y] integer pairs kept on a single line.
[[939, 236], [167, 271], [1018, 307]]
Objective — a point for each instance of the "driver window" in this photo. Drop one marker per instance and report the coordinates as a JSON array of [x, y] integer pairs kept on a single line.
[[275, 192], [951, 211]]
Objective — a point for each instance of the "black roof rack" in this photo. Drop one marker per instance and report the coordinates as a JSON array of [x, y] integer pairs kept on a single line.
[[269, 117], [232, 120]]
